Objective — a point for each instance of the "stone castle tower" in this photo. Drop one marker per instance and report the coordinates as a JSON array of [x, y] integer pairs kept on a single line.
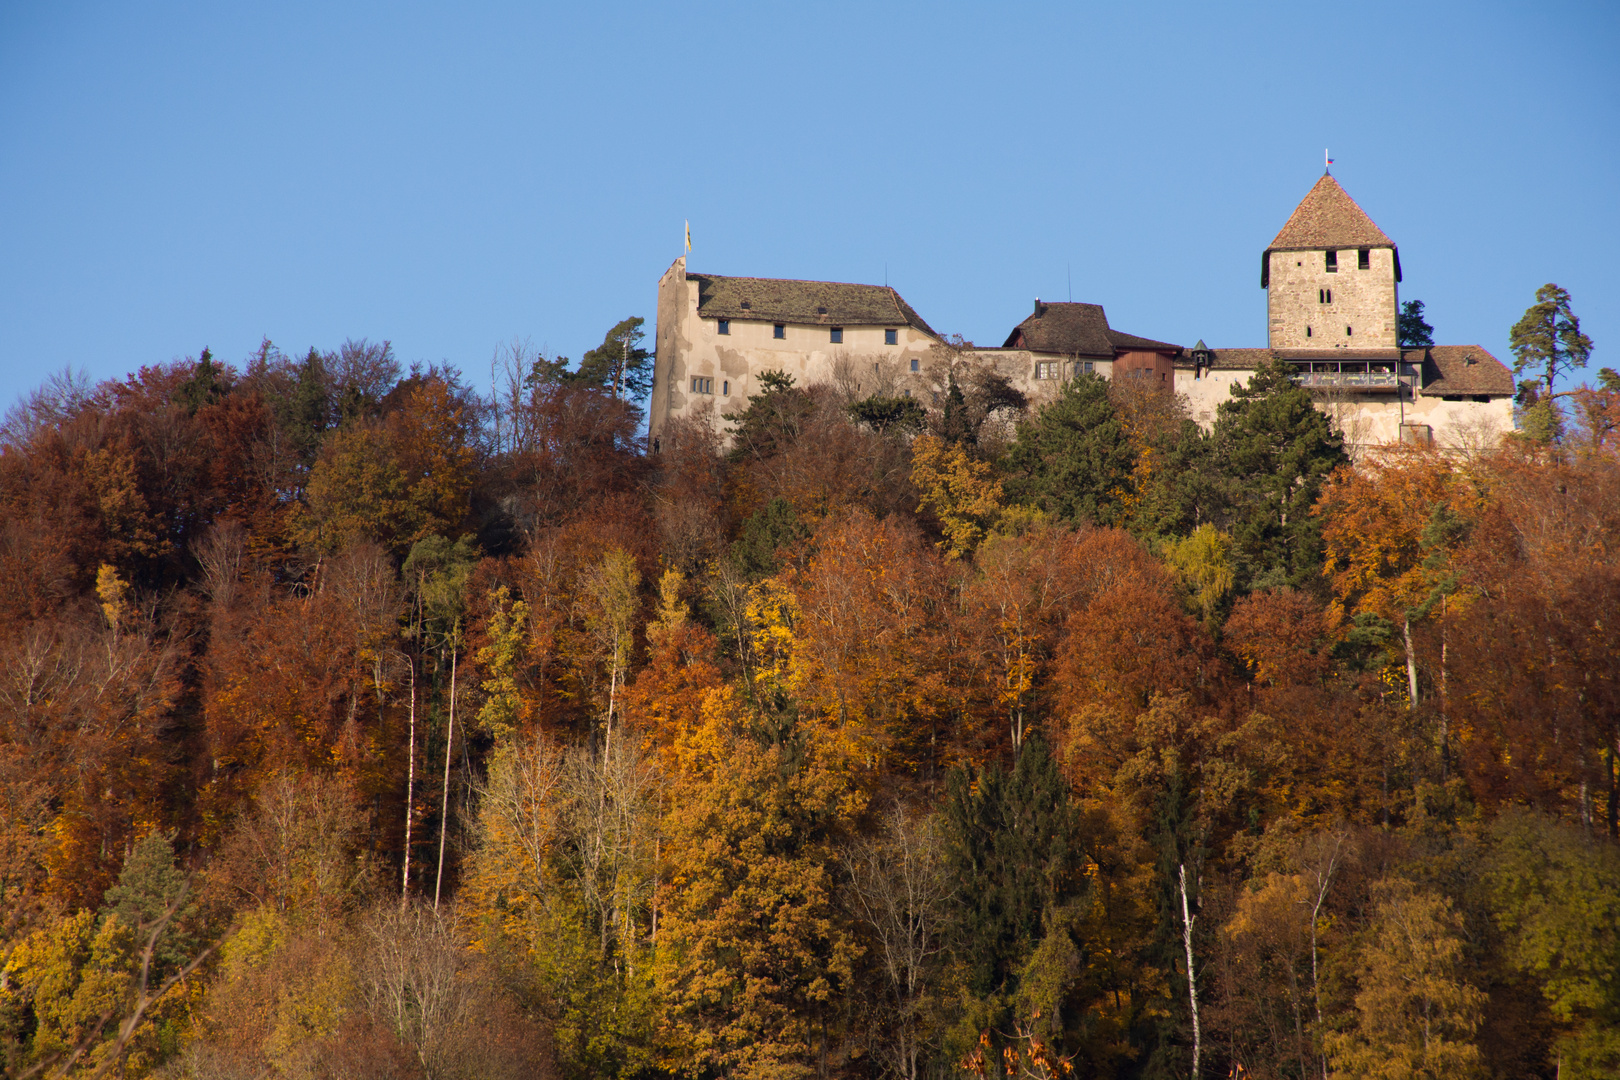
[[1331, 276]]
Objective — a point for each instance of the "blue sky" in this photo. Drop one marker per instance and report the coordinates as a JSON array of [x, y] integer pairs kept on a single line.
[[451, 177]]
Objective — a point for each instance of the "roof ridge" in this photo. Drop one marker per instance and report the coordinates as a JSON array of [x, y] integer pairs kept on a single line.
[[790, 281]]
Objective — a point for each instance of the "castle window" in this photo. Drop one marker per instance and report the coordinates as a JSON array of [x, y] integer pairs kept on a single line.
[[725, 326], [1363, 259], [725, 388], [837, 335], [1347, 331], [1048, 369], [914, 363], [891, 337], [779, 332], [1333, 262], [1324, 296], [701, 385], [1088, 367], [1307, 331]]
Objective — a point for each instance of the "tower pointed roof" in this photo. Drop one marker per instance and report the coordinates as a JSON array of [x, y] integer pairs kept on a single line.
[[1328, 218]]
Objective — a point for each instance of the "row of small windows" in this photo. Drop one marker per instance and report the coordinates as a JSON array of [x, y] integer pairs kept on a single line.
[[1363, 260], [1044, 369], [703, 385], [1053, 369], [835, 333], [1347, 332]]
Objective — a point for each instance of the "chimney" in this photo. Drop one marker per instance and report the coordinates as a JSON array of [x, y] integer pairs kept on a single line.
[[1040, 308]]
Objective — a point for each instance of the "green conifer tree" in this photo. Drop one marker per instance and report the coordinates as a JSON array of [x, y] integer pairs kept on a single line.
[[1274, 451], [1074, 459]]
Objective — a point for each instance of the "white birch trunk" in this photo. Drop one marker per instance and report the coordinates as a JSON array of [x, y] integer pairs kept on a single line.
[[1187, 919], [444, 803]]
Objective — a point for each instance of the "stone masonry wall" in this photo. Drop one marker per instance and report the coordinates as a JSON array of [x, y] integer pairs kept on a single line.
[[1366, 301], [688, 347]]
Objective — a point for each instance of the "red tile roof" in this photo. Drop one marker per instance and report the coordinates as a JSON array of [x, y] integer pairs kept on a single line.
[[1077, 330], [1328, 218], [1461, 370]]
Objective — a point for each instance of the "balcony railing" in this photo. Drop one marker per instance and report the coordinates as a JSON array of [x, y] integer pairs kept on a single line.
[[1349, 380]]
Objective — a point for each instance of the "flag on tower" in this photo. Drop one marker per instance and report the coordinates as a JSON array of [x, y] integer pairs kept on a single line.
[[689, 238], [1325, 154]]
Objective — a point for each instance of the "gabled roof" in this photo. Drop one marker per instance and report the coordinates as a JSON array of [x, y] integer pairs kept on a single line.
[[830, 303], [1077, 330], [1328, 218], [1461, 369]]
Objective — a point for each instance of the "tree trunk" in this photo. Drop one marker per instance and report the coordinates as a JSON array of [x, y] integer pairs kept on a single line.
[[1411, 661], [1445, 733], [410, 790], [444, 803], [1192, 981]]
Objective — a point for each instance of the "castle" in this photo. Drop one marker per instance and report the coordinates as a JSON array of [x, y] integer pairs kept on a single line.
[[1332, 298]]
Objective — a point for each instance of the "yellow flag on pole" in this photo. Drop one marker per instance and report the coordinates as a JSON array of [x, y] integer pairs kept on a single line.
[[689, 238]]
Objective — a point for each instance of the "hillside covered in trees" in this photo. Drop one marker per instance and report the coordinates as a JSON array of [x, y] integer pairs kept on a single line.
[[357, 725]]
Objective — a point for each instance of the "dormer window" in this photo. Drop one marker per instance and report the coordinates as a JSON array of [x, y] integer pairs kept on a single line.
[[725, 326], [821, 311], [748, 305], [1363, 258], [1333, 262]]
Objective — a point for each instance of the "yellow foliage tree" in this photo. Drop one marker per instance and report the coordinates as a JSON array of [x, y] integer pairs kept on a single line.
[[1203, 561], [753, 955], [1414, 1014], [78, 977], [500, 660], [1388, 527], [962, 493]]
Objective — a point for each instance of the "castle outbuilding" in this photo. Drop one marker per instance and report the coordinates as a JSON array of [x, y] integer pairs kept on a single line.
[[1332, 280], [717, 335]]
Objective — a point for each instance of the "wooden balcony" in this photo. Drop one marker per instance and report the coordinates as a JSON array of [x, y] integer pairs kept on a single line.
[[1361, 376]]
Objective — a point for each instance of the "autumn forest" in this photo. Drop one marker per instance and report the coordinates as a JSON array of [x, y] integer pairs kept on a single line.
[[356, 722]]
